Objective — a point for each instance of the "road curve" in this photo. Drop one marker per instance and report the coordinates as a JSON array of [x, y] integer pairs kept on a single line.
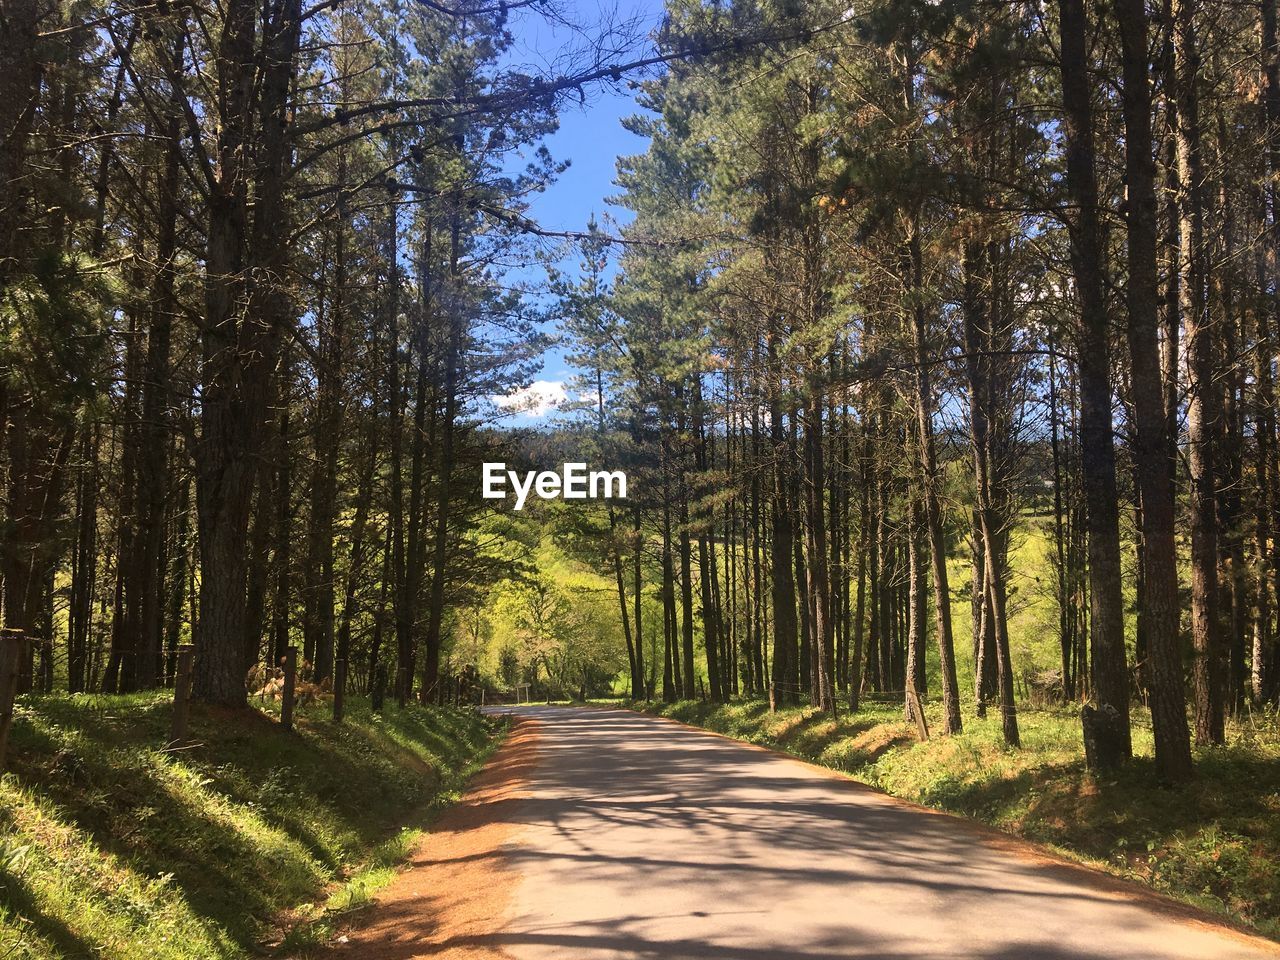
[[642, 838]]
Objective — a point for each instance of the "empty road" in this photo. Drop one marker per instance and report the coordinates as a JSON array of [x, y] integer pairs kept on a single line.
[[635, 837]]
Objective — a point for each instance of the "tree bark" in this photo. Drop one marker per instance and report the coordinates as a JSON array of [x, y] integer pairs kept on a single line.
[[1097, 450], [1203, 407]]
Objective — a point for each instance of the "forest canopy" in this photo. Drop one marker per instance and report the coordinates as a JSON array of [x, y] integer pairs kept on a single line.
[[914, 315]]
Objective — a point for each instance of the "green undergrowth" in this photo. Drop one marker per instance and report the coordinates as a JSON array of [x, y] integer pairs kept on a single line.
[[1214, 843], [250, 841]]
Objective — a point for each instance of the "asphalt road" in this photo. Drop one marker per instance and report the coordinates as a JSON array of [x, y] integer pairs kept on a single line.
[[639, 837]]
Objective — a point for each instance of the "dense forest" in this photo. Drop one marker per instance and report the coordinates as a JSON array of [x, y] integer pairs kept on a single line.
[[892, 285]]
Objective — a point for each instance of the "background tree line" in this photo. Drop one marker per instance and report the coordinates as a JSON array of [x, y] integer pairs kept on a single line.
[[896, 278], [911, 281], [256, 296], [253, 298]]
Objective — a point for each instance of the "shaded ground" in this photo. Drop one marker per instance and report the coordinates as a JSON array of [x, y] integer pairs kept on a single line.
[[1213, 842], [639, 838]]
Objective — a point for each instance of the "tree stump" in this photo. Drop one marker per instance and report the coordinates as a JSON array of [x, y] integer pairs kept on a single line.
[[1104, 739], [181, 695]]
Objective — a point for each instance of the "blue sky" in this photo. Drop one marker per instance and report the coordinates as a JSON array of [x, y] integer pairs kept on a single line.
[[591, 137]]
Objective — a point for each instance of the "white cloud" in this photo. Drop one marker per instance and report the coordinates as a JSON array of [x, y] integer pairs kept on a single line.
[[536, 400]]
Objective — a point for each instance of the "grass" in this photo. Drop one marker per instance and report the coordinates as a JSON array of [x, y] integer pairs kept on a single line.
[[1214, 843], [250, 841]]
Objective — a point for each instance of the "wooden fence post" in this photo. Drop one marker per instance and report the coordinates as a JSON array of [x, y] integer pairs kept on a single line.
[[12, 649], [290, 678], [339, 688], [26, 668], [917, 712], [181, 695]]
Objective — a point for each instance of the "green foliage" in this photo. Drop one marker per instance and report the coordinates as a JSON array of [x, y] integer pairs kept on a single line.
[[52, 341], [114, 848], [556, 628]]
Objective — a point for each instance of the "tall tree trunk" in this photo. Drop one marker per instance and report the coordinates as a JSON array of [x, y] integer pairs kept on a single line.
[[120, 674], [84, 564], [711, 633], [782, 546], [670, 681], [1097, 450], [820, 577], [243, 321], [859, 608], [638, 578], [444, 479], [932, 500], [1203, 407], [357, 556], [1266, 654], [401, 603], [318, 623], [686, 590], [978, 323], [180, 564], [918, 606], [1066, 636], [259, 572], [281, 603], [153, 461]]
